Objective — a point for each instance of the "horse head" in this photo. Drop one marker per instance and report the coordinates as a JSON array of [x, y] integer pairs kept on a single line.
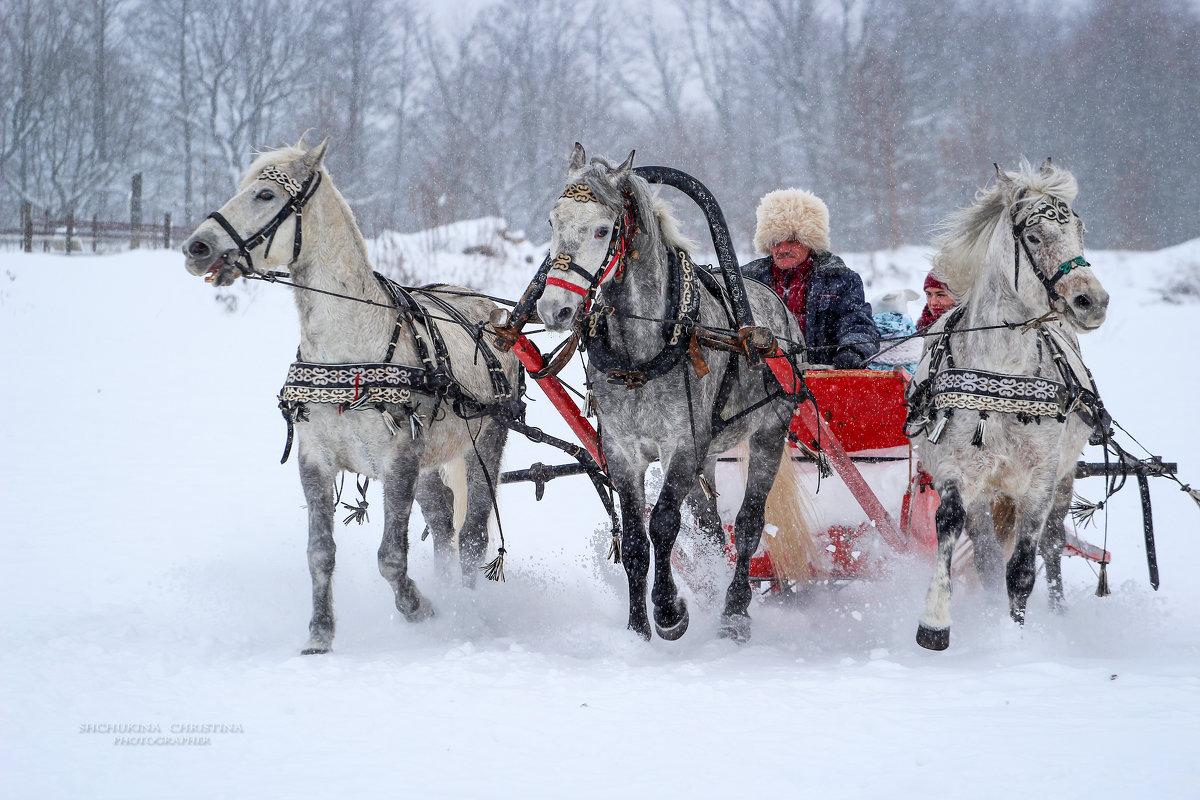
[[1049, 234], [272, 193], [593, 223]]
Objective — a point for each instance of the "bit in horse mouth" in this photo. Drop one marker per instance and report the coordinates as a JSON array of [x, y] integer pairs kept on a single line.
[[221, 271]]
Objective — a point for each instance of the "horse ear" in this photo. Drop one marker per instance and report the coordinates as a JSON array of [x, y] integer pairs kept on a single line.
[[1006, 183], [628, 163], [578, 158], [1047, 167], [315, 157]]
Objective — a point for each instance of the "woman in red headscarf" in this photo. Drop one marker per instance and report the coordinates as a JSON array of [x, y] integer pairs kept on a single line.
[[938, 300]]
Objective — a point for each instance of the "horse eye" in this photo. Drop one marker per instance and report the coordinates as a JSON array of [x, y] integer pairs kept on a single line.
[[601, 232], [264, 194], [1032, 239]]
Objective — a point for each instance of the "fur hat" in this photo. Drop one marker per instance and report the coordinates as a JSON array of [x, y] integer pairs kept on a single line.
[[787, 214]]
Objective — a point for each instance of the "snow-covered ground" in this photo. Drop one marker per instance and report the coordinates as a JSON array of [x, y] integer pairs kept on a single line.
[[154, 574]]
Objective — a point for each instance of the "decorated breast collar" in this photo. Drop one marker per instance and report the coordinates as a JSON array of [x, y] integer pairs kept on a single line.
[[683, 313], [940, 386], [412, 391]]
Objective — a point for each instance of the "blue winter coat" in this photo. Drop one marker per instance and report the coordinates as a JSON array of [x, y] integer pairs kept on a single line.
[[840, 329]]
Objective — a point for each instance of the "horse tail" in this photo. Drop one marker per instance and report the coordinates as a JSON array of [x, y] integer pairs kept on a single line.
[[790, 536], [794, 548]]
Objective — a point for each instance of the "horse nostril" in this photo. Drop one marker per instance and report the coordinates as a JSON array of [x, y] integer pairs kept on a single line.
[[1083, 302], [198, 249], [564, 315]]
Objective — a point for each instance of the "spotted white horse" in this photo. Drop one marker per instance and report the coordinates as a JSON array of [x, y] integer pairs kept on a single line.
[[999, 412]]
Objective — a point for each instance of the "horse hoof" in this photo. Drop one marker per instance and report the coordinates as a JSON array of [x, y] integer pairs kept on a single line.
[[315, 649], [641, 629], [735, 627], [1018, 616], [672, 630], [420, 611], [933, 638]]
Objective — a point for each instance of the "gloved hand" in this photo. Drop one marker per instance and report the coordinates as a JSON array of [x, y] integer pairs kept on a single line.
[[846, 359]]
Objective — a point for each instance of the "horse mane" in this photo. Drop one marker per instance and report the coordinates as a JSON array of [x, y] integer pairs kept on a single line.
[[648, 206], [962, 238]]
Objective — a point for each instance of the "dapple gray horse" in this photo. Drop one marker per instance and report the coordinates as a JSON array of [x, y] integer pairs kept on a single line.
[[348, 316], [999, 414], [617, 244]]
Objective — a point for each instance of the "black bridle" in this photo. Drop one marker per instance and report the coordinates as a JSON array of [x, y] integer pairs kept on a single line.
[[1053, 210], [299, 195]]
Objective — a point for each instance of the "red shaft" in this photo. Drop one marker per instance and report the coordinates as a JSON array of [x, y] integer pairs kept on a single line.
[[529, 355]]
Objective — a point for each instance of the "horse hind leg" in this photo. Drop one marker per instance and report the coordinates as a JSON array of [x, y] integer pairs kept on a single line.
[[319, 497], [437, 499], [1054, 539], [933, 631], [398, 493], [986, 523], [766, 446], [704, 508], [482, 481]]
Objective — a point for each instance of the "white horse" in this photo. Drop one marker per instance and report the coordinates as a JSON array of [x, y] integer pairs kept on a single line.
[[1000, 414], [379, 388]]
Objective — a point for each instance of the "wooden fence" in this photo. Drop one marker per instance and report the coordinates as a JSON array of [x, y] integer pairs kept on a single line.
[[71, 235]]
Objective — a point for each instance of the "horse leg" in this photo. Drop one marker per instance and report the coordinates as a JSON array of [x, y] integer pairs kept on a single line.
[[629, 481], [319, 497], [704, 509], [437, 507], [670, 610], [766, 446], [1022, 565], [984, 527], [1054, 539], [398, 492], [483, 479], [933, 631]]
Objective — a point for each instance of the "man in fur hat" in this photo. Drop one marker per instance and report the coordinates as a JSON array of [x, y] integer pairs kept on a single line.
[[824, 295]]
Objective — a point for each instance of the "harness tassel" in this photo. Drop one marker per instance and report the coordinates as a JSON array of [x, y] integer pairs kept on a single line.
[[1082, 511], [358, 513], [938, 429], [389, 421], [980, 437], [614, 547], [1102, 584], [494, 569], [1192, 493]]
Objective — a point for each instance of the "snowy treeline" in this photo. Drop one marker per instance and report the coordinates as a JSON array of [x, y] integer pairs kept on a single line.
[[892, 110]]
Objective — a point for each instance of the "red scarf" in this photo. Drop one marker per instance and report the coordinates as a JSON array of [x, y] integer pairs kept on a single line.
[[792, 287]]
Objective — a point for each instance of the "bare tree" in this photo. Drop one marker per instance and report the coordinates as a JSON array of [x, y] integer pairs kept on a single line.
[[54, 149]]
